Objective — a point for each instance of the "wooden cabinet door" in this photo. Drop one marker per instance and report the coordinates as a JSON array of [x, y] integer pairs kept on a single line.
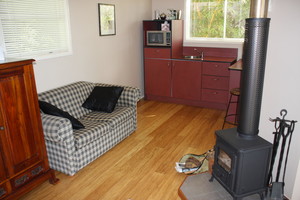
[[186, 79], [21, 135], [158, 77], [3, 175], [2, 169]]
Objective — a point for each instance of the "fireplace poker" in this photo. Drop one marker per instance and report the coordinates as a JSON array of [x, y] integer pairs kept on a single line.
[[285, 133], [275, 147], [292, 126]]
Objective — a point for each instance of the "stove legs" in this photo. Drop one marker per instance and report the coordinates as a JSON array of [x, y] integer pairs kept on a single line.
[[262, 196]]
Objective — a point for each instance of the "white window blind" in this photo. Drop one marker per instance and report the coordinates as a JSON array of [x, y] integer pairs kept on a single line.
[[35, 28]]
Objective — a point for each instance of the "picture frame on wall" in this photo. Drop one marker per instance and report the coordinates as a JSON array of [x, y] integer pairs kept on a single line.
[[107, 19]]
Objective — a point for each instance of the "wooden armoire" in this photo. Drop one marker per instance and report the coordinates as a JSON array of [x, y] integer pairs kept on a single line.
[[23, 157]]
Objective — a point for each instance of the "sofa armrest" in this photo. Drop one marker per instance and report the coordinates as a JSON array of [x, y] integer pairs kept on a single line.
[[57, 129], [129, 97]]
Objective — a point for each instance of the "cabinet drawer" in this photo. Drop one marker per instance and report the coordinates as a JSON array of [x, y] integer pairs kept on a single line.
[[27, 176], [5, 189], [215, 82], [215, 68], [157, 53], [218, 96]]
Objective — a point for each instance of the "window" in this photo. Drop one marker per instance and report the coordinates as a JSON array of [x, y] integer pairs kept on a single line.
[[216, 20], [34, 28]]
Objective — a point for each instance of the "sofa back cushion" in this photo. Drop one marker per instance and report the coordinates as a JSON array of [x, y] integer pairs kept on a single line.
[[69, 98]]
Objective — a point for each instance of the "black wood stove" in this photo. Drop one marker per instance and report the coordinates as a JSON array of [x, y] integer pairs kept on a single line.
[[242, 158], [241, 165]]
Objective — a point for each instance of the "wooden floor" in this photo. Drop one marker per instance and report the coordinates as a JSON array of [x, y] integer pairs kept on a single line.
[[142, 166]]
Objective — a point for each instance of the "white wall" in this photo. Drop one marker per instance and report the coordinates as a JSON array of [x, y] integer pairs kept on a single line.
[[296, 191], [282, 85], [163, 6], [111, 59]]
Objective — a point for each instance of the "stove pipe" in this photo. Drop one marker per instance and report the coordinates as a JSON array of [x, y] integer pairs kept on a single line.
[[254, 60]]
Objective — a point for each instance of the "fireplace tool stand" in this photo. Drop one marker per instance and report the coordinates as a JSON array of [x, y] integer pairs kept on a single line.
[[283, 134]]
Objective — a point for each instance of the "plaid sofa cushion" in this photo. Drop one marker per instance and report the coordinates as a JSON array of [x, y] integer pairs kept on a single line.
[[129, 96], [118, 116], [69, 98], [92, 131]]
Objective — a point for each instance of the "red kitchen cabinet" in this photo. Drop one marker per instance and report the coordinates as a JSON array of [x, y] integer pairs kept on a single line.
[[157, 77], [186, 79], [173, 78], [215, 82], [170, 76]]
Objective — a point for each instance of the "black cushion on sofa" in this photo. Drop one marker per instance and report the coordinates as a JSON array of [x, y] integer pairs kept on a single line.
[[53, 110], [103, 98]]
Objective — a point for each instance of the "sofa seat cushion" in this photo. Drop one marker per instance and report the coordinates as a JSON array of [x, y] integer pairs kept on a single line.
[[118, 116], [92, 131]]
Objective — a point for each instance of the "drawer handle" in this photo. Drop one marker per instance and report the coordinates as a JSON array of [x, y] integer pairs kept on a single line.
[[216, 66], [216, 79], [215, 93], [157, 51], [37, 170], [21, 180]]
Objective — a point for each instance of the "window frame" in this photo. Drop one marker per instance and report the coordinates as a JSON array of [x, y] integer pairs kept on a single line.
[[188, 40]]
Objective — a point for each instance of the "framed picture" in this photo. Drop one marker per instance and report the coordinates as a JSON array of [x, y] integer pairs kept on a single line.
[[107, 19]]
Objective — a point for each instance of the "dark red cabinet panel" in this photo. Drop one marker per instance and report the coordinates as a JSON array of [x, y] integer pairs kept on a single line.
[[216, 68], [158, 77], [186, 79], [217, 96], [157, 53], [215, 82]]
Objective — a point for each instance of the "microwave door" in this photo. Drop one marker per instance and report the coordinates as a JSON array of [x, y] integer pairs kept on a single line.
[[156, 38]]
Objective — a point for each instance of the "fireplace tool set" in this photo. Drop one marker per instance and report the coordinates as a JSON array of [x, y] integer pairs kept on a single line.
[[282, 138]]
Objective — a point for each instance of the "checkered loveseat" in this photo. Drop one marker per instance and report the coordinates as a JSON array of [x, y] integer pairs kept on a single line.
[[70, 150]]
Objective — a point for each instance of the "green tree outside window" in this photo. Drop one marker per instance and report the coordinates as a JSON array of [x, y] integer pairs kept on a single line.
[[218, 18]]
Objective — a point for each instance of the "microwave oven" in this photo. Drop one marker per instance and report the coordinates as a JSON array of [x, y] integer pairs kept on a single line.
[[158, 38]]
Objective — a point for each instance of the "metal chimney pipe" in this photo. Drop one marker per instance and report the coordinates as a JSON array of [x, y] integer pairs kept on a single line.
[[254, 60], [259, 8]]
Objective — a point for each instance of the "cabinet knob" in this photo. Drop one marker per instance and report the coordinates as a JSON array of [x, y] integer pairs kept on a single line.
[[216, 79], [216, 66], [2, 128]]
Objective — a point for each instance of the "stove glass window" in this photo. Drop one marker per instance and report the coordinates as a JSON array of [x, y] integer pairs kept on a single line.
[[224, 160]]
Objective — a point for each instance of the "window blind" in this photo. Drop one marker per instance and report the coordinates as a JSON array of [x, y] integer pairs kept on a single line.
[[34, 28]]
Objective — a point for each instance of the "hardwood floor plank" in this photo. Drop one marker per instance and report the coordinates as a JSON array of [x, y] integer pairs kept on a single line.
[[142, 166]]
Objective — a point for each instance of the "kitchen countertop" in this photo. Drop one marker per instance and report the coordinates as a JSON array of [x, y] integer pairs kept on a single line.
[[237, 66], [210, 59]]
